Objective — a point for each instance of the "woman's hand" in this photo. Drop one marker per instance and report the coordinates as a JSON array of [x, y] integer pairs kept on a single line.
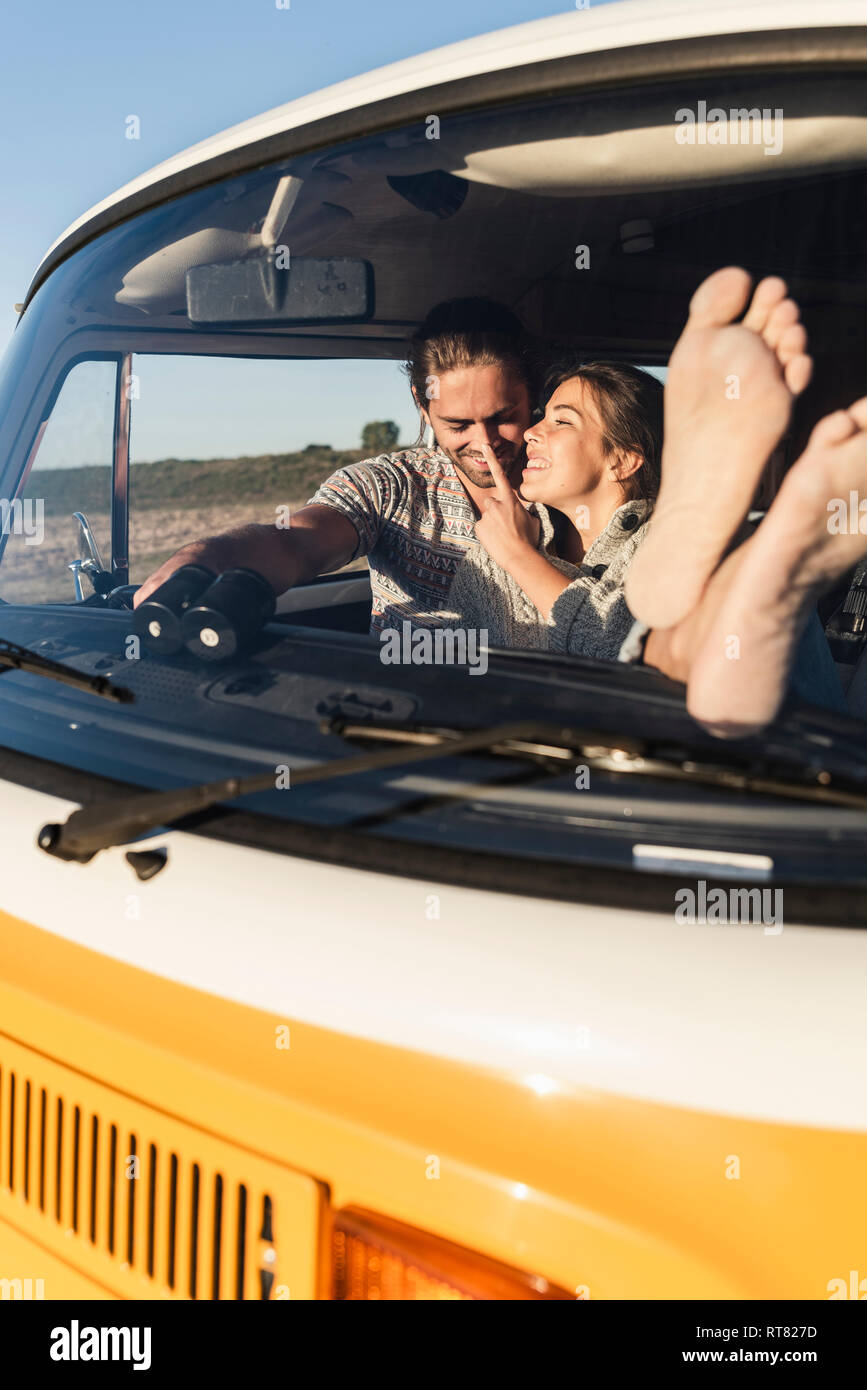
[[506, 529], [510, 535]]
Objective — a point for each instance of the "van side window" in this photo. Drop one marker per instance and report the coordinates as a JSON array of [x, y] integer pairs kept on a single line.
[[71, 472]]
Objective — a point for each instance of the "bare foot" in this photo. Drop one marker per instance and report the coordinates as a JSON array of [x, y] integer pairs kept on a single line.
[[728, 399], [741, 671]]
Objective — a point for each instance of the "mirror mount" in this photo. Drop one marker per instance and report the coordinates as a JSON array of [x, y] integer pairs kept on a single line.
[[89, 562]]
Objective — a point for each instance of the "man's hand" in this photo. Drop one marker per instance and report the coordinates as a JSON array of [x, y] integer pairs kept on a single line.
[[195, 554], [506, 529]]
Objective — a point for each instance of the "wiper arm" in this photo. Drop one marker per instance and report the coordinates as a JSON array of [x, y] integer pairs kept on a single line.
[[645, 757], [14, 657], [93, 828]]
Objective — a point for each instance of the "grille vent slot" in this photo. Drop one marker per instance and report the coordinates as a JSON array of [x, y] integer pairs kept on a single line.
[[160, 1213]]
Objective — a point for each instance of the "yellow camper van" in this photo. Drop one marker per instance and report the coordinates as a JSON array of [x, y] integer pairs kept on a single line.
[[322, 978]]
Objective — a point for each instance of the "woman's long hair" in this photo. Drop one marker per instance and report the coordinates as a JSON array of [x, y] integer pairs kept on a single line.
[[630, 404]]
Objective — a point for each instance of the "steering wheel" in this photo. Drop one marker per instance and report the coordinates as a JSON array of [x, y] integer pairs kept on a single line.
[[121, 597]]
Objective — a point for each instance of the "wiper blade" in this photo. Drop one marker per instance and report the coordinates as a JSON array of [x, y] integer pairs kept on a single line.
[[652, 758], [15, 657], [93, 828]]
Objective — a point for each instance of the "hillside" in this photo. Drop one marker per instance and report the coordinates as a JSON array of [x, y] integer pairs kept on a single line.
[[171, 502], [176, 483]]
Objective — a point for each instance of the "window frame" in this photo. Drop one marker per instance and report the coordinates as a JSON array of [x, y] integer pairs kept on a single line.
[[38, 414], [119, 346]]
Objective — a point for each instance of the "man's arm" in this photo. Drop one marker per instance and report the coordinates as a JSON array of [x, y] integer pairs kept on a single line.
[[319, 539]]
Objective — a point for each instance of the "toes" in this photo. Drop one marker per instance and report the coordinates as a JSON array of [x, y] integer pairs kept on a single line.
[[798, 372], [769, 294], [781, 318], [858, 412], [792, 342], [720, 299], [834, 428]]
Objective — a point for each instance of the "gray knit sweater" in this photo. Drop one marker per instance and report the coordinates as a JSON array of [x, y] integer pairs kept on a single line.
[[590, 618]]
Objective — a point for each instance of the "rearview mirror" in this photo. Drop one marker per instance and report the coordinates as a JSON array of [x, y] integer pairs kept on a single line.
[[256, 290]]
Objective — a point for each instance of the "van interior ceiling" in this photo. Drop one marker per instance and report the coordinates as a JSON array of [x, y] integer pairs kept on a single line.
[[602, 175]]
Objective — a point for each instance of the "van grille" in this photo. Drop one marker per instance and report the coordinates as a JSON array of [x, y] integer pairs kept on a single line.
[[150, 1206]]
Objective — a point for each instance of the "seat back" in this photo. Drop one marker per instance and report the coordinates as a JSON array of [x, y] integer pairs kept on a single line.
[[856, 694]]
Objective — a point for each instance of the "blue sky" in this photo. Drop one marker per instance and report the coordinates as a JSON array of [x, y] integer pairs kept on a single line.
[[71, 73]]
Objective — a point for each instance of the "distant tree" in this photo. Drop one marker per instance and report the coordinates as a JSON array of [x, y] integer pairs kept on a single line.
[[317, 448], [379, 436]]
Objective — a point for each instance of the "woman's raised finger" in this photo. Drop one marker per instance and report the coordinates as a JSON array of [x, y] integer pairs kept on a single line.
[[503, 487]]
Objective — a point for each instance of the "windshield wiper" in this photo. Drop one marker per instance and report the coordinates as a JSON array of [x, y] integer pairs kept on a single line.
[[17, 658], [93, 828], [660, 756]]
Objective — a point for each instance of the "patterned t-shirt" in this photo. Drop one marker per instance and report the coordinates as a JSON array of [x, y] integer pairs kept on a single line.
[[415, 524]]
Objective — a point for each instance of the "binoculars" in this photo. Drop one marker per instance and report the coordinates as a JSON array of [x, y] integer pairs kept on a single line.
[[213, 616]]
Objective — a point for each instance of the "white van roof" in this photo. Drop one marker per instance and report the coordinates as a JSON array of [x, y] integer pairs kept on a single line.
[[599, 28]]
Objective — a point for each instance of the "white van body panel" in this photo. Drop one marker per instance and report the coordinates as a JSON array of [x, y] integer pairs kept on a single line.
[[726, 1019]]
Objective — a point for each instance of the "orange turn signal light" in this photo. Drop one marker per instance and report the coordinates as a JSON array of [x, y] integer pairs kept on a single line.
[[375, 1258]]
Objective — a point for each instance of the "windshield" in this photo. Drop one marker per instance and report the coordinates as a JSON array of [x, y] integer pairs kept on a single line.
[[141, 409]]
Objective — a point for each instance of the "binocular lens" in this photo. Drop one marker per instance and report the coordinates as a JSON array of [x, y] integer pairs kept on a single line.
[[157, 621], [228, 615]]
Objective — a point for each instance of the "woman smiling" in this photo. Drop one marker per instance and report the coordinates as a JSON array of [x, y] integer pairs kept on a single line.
[[594, 458]]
